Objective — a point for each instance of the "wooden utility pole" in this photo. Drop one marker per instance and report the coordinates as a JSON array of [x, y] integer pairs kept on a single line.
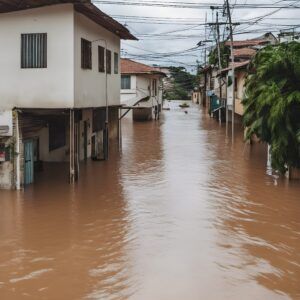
[[232, 62]]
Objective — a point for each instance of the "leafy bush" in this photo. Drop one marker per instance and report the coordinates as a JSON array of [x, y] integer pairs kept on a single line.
[[272, 102]]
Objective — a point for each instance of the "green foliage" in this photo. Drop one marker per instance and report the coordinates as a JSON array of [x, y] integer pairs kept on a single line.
[[183, 82], [225, 55], [272, 102]]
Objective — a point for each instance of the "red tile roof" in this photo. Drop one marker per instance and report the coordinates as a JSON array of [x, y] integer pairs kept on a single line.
[[132, 67], [247, 43], [237, 65], [244, 52]]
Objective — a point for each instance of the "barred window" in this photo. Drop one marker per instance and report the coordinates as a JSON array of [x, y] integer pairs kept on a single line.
[[34, 50], [101, 59], [108, 61], [116, 63], [125, 82], [86, 54], [154, 87]]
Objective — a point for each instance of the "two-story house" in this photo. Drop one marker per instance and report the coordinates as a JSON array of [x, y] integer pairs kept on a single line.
[[59, 87], [141, 89]]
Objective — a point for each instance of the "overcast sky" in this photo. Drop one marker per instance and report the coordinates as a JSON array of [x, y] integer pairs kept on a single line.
[[190, 28]]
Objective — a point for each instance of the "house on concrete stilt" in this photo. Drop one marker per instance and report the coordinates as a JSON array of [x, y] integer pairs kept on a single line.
[[60, 87], [141, 90]]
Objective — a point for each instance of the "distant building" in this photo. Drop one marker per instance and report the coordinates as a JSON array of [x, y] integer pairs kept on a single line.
[[141, 89], [289, 36], [61, 95], [196, 96], [239, 88], [214, 95]]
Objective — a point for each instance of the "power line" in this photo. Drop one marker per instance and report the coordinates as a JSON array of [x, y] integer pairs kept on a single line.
[[191, 4]]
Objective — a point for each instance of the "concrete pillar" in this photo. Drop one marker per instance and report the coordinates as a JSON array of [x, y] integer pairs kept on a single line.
[[17, 151], [74, 160]]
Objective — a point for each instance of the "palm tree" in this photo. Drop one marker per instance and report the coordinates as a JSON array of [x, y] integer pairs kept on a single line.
[[272, 102]]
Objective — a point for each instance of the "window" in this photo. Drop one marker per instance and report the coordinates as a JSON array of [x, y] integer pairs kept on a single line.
[[101, 59], [34, 50], [116, 63], [154, 87], [86, 54], [108, 61], [125, 82], [57, 133], [235, 85]]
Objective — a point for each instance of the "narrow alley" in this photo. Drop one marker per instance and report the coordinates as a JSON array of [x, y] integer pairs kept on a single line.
[[179, 214]]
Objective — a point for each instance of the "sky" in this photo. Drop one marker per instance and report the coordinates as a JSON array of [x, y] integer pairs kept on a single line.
[[169, 35]]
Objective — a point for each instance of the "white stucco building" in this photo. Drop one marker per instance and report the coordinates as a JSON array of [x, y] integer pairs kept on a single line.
[[60, 87], [141, 89]]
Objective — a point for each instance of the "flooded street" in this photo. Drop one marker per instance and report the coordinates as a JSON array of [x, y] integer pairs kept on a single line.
[[180, 214]]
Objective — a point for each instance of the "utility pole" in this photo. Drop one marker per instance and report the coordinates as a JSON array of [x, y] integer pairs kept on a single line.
[[233, 68], [220, 64], [205, 39]]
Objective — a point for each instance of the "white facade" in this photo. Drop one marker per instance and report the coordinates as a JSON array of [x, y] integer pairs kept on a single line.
[[64, 108], [142, 86], [90, 85], [63, 84]]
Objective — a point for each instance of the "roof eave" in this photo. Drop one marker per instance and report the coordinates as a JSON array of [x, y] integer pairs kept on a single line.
[[84, 7], [144, 73]]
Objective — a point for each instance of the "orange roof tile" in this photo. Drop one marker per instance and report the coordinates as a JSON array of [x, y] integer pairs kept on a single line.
[[237, 65], [245, 43], [244, 52], [132, 67]]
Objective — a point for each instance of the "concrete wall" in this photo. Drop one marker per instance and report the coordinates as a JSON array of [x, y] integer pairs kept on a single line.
[[87, 116], [129, 97], [113, 124], [90, 85], [52, 87], [142, 114], [241, 75], [6, 168], [63, 84], [57, 155], [196, 97], [141, 87]]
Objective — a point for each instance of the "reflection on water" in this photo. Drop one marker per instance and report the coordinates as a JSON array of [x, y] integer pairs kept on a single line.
[[180, 214]]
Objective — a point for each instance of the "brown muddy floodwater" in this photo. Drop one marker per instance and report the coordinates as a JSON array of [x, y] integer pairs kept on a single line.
[[181, 214]]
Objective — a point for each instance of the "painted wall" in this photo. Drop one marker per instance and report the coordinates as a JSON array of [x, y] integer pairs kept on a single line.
[[52, 87], [241, 76], [141, 87], [63, 84], [6, 168], [57, 155], [87, 116], [129, 96], [90, 84]]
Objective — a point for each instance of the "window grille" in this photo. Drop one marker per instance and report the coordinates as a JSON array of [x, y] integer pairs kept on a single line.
[[125, 82], [101, 59], [34, 50], [116, 63], [86, 54]]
